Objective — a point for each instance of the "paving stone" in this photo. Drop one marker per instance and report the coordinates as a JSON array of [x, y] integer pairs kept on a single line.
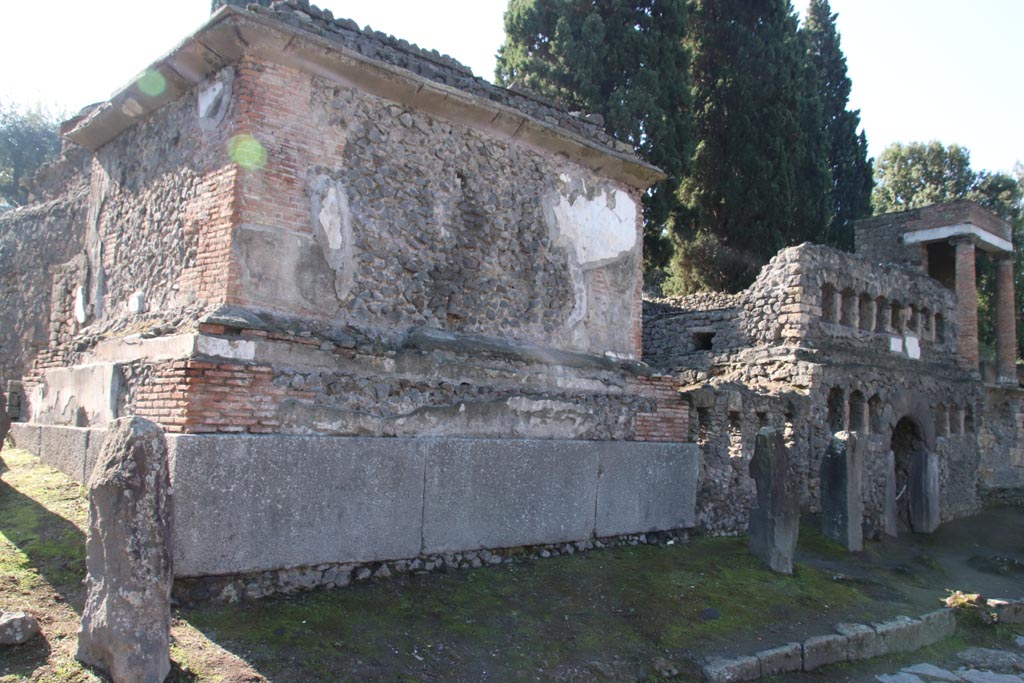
[[932, 672], [995, 660], [824, 650], [863, 641], [975, 676], [898, 678], [720, 670], [782, 659]]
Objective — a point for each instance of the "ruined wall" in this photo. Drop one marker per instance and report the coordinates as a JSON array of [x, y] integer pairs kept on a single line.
[[688, 332], [34, 241], [379, 216], [1001, 445]]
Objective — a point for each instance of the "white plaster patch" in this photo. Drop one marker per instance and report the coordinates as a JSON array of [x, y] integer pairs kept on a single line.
[[896, 344], [331, 212], [137, 303], [237, 349], [208, 97], [528, 405], [913, 346], [332, 219], [81, 315], [601, 229]]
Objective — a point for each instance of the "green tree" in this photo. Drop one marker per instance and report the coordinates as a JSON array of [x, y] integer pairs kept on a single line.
[[28, 139], [625, 60], [759, 181], [847, 150], [917, 174]]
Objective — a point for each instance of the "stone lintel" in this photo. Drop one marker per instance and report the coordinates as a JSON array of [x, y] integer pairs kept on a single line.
[[984, 239]]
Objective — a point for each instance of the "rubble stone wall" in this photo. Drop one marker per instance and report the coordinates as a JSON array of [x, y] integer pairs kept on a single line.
[[379, 216], [34, 241]]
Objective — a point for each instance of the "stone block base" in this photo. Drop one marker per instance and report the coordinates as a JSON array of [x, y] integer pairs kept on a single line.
[[250, 503]]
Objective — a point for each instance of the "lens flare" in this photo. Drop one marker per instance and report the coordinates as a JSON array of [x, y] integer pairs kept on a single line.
[[152, 83], [247, 152]]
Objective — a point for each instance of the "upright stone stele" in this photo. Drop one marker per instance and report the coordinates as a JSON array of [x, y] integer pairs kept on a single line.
[[842, 501], [775, 519], [125, 627], [5, 420]]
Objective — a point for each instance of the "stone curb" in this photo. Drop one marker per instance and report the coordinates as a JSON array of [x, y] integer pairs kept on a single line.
[[1007, 611], [850, 642]]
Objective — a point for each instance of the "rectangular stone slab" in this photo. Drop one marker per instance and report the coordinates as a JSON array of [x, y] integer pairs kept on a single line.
[[486, 493], [646, 487], [64, 448], [247, 503]]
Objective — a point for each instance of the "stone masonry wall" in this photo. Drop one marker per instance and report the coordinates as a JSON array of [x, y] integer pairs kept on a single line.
[[687, 332], [34, 240], [379, 216]]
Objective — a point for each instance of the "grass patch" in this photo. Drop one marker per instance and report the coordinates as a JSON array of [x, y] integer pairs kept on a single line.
[[557, 612]]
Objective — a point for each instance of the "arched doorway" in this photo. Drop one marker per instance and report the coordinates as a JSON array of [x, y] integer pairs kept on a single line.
[[916, 476]]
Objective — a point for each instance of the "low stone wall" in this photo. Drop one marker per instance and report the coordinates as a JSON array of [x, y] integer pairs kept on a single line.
[[850, 642], [248, 503]]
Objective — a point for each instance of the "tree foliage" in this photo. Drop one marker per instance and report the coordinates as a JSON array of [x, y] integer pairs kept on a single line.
[[759, 181], [28, 139], [847, 149], [624, 60], [917, 174]]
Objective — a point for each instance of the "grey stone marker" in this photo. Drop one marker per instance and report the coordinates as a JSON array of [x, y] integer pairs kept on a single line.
[[842, 503], [924, 492], [890, 511], [775, 519], [125, 627], [5, 420]]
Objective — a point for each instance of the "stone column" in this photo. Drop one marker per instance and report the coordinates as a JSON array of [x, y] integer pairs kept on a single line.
[[966, 302], [1006, 321]]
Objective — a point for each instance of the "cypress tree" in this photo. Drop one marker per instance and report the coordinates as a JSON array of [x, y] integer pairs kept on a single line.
[[758, 181], [851, 170], [625, 60]]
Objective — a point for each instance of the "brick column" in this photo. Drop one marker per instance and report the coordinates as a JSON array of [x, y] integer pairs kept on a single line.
[[966, 302], [1006, 321]]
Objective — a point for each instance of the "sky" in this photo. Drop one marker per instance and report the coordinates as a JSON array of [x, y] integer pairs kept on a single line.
[[922, 70]]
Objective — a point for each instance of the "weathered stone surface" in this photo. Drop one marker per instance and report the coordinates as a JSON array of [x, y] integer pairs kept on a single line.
[[782, 659], [5, 419], [27, 437], [247, 503], [937, 625], [646, 487], [64, 448], [924, 491], [1008, 611], [720, 670], [824, 650], [976, 676], [484, 493], [842, 504], [996, 660], [932, 672], [863, 641], [901, 634], [901, 677], [17, 628], [775, 520], [125, 628]]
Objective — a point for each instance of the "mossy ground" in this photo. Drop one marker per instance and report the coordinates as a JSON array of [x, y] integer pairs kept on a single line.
[[606, 615]]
